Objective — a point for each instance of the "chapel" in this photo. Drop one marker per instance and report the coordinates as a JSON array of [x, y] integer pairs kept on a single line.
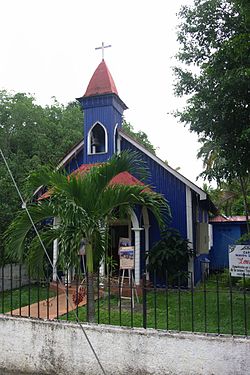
[[103, 136]]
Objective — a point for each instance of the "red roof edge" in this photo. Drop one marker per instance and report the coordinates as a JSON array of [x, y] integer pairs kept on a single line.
[[229, 219]]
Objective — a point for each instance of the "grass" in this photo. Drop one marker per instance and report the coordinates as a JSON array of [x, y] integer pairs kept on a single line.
[[209, 311], [23, 297]]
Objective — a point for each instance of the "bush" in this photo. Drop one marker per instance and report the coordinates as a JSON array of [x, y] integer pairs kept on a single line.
[[224, 278], [171, 254], [244, 239], [240, 283]]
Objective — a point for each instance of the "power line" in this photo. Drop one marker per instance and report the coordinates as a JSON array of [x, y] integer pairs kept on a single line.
[[50, 262]]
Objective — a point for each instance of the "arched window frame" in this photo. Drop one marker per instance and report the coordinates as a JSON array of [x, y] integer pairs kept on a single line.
[[89, 139], [117, 141]]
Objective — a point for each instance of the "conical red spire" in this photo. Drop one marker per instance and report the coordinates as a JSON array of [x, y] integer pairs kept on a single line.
[[101, 82]]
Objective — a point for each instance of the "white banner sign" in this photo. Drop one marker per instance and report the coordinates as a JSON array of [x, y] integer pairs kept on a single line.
[[127, 259], [239, 260]]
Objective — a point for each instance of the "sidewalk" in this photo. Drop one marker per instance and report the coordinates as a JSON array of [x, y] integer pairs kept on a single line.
[[50, 309]]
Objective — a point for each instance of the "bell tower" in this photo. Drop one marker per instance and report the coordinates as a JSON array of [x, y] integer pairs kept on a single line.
[[103, 111]]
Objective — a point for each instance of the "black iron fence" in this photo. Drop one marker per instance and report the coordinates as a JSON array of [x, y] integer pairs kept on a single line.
[[219, 304]]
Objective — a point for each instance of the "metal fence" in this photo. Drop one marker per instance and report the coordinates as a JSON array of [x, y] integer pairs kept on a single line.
[[219, 304]]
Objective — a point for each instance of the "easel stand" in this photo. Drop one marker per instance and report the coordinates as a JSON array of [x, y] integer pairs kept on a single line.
[[131, 284]]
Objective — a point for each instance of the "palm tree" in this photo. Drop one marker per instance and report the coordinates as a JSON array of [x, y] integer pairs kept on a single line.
[[84, 204]]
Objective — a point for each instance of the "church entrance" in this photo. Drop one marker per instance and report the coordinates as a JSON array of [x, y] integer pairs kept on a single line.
[[116, 231]]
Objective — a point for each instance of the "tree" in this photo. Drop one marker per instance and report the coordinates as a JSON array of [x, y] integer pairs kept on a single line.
[[227, 197], [85, 205], [31, 136], [215, 52], [232, 195], [139, 136]]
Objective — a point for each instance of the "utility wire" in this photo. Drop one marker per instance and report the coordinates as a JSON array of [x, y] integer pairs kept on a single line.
[[50, 262]]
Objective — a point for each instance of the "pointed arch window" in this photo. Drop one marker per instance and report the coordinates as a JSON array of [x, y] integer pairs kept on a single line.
[[97, 139], [117, 145]]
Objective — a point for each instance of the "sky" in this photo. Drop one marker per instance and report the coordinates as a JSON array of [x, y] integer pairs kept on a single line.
[[48, 49]]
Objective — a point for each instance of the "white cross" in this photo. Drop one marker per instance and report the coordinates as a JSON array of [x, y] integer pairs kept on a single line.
[[102, 48]]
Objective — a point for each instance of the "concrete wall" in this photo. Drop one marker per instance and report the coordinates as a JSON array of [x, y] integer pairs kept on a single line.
[[5, 276], [50, 347]]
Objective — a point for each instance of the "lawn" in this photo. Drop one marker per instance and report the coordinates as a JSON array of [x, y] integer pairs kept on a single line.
[[27, 295], [210, 309]]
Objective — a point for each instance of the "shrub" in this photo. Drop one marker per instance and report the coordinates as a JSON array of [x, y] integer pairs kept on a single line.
[[171, 254]]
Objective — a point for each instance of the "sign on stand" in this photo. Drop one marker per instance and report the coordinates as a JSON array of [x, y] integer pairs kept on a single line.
[[127, 258], [127, 263], [126, 253], [239, 260]]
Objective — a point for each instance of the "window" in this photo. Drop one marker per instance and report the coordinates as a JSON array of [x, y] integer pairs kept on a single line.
[[97, 139], [117, 143]]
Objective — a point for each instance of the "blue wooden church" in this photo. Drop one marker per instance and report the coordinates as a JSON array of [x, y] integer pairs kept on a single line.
[[103, 136]]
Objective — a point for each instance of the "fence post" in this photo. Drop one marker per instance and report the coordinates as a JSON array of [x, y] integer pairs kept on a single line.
[[166, 299], [144, 300], [3, 289], [245, 303]]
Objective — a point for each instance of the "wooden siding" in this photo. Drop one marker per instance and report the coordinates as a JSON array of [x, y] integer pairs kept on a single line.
[[104, 109], [75, 162], [173, 189], [199, 215], [224, 234]]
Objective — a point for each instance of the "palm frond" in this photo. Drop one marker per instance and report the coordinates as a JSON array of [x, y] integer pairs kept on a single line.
[[17, 232], [83, 204], [128, 196]]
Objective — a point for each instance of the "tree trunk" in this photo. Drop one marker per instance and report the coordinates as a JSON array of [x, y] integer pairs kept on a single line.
[[90, 298], [90, 284], [244, 193]]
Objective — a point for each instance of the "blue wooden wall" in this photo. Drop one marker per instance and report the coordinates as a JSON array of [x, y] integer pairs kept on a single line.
[[107, 110], [75, 162], [171, 187], [224, 234], [163, 182]]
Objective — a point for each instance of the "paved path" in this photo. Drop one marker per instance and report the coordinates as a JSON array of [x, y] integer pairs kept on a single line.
[[49, 309]]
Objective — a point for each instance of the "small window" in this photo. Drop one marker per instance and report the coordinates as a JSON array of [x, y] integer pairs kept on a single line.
[[97, 141], [117, 145]]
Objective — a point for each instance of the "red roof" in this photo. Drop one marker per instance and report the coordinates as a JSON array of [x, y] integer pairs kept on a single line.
[[101, 82], [123, 178], [225, 219]]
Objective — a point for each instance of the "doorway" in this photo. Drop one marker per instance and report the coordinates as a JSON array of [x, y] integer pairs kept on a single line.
[[115, 233]]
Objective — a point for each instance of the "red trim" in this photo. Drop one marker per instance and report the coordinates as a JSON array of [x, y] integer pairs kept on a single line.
[[225, 219]]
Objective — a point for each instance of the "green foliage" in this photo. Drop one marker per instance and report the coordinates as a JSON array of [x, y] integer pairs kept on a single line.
[[214, 47], [170, 254], [31, 136], [175, 315], [139, 136], [214, 35], [83, 204], [244, 284], [111, 264], [224, 278], [244, 239], [29, 295], [228, 197]]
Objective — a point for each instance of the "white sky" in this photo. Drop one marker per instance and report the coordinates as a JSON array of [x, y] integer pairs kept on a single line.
[[47, 48]]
